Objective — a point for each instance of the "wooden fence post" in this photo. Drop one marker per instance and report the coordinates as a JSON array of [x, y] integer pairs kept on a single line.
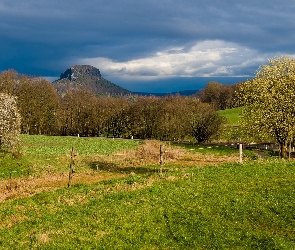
[[161, 159], [10, 180], [241, 152], [72, 163]]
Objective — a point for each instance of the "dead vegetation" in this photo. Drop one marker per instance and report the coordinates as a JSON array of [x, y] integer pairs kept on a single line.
[[146, 154], [145, 159]]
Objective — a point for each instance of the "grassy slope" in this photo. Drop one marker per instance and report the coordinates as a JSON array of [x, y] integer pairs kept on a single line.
[[233, 206], [231, 129], [248, 206], [43, 153], [232, 115]]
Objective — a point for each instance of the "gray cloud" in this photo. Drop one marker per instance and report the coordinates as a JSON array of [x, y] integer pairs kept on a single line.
[[125, 39], [209, 58]]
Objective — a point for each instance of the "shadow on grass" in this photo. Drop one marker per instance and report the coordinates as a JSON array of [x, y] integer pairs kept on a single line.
[[112, 167]]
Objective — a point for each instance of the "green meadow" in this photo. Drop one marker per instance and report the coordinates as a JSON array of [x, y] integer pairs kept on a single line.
[[232, 115], [249, 206], [199, 201], [52, 153], [231, 130]]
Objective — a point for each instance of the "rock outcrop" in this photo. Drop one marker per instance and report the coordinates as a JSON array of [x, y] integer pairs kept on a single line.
[[77, 71], [89, 77]]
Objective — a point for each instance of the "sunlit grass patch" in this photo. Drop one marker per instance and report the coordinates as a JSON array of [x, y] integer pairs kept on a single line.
[[232, 115], [233, 206], [44, 154], [61, 145]]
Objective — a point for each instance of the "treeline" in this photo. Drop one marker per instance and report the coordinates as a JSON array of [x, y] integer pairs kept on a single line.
[[80, 112], [221, 96]]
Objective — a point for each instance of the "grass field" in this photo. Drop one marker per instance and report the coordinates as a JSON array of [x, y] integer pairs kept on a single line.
[[52, 153], [231, 130], [203, 199], [232, 115]]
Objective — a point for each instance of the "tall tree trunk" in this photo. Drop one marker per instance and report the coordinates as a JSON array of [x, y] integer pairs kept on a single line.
[[283, 150]]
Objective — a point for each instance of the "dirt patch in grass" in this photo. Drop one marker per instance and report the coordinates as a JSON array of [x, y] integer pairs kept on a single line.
[[26, 187], [209, 159], [146, 154], [108, 167]]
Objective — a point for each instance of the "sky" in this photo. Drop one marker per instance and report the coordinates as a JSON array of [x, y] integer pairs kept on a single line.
[[146, 45]]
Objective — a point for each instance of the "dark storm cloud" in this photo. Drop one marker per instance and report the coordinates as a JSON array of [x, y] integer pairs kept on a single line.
[[140, 40]]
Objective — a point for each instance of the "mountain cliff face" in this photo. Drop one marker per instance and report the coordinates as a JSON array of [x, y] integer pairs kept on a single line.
[[87, 76], [73, 73]]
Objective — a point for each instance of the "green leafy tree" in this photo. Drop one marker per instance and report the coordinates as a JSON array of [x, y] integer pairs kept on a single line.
[[268, 101]]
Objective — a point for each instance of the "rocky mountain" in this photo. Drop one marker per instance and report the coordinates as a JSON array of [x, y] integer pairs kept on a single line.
[[89, 77]]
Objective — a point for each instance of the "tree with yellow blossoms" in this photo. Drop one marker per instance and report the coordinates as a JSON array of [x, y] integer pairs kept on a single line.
[[269, 102]]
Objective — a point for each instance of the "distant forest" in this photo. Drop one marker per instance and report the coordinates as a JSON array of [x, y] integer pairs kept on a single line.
[[81, 112]]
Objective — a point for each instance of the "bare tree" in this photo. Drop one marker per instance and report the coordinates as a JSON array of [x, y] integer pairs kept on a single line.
[[38, 103], [205, 122], [80, 113], [8, 81], [221, 96]]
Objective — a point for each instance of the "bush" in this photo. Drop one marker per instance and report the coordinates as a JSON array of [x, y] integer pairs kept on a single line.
[[206, 123]]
